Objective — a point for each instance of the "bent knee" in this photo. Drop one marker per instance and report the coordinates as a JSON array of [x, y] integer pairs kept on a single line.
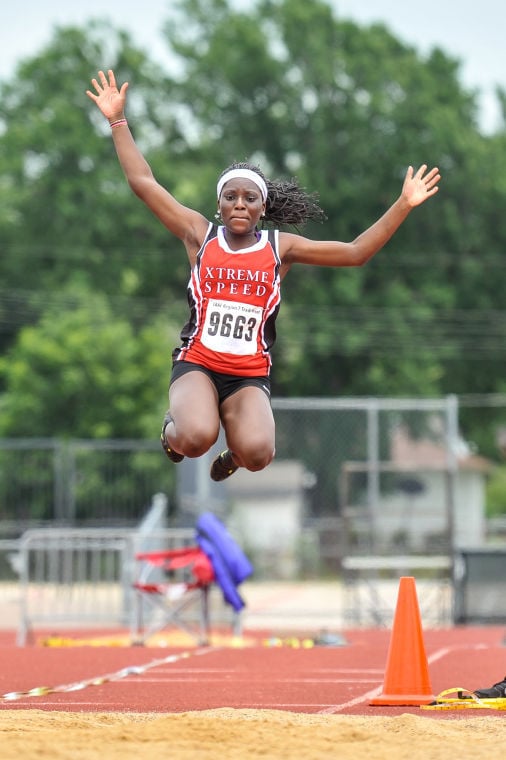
[[196, 443], [257, 458]]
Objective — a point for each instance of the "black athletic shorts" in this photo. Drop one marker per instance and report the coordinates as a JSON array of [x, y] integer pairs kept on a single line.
[[225, 385]]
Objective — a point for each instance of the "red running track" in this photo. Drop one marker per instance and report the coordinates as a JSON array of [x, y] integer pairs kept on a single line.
[[325, 680]]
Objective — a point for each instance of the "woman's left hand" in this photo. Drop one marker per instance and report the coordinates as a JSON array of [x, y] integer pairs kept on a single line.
[[421, 185]]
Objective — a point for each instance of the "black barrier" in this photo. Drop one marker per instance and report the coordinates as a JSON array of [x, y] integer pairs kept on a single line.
[[480, 586]]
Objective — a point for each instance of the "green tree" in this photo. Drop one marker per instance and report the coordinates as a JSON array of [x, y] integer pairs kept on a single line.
[[496, 492], [303, 92], [289, 84], [84, 373], [68, 217]]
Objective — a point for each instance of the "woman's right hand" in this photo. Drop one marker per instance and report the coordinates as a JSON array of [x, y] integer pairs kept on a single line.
[[107, 97]]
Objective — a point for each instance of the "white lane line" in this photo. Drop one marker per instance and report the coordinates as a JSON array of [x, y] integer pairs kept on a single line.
[[368, 695]]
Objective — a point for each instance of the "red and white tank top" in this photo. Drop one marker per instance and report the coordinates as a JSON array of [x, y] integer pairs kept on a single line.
[[234, 299]]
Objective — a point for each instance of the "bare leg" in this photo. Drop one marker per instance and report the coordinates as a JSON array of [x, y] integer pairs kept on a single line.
[[249, 428], [195, 422]]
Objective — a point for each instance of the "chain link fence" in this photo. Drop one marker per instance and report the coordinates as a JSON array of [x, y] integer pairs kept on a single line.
[[79, 483], [379, 477]]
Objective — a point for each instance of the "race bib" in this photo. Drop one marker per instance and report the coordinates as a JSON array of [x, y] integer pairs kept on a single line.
[[231, 327]]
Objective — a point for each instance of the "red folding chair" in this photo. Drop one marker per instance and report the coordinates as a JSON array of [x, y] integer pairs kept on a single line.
[[180, 599]]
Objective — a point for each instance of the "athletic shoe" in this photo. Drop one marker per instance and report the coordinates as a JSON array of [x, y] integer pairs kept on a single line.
[[498, 690], [173, 455], [223, 466]]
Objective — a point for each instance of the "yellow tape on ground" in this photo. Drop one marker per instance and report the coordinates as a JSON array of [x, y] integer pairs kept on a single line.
[[134, 670], [177, 639], [158, 640], [464, 700]]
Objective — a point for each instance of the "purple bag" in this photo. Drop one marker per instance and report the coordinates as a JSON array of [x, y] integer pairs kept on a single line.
[[230, 564]]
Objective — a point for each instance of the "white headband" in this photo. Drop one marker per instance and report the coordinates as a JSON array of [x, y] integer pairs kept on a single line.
[[245, 174]]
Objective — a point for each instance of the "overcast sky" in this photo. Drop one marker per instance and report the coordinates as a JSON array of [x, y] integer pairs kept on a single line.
[[473, 32]]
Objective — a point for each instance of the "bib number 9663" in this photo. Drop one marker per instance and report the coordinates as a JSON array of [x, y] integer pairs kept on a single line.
[[231, 327]]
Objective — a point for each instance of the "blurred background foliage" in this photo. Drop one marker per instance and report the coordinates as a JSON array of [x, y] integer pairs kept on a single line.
[[93, 288]]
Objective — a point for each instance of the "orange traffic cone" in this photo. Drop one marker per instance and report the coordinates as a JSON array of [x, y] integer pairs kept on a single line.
[[407, 680]]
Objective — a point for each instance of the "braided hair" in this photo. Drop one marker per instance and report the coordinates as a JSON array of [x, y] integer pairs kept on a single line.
[[287, 203]]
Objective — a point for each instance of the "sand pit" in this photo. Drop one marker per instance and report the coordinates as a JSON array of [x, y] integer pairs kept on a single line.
[[230, 734]]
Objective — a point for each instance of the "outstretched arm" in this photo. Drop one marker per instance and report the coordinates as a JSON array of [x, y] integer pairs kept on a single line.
[[416, 189], [185, 223]]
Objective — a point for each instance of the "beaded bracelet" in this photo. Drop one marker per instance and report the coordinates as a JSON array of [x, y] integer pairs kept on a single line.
[[118, 123]]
